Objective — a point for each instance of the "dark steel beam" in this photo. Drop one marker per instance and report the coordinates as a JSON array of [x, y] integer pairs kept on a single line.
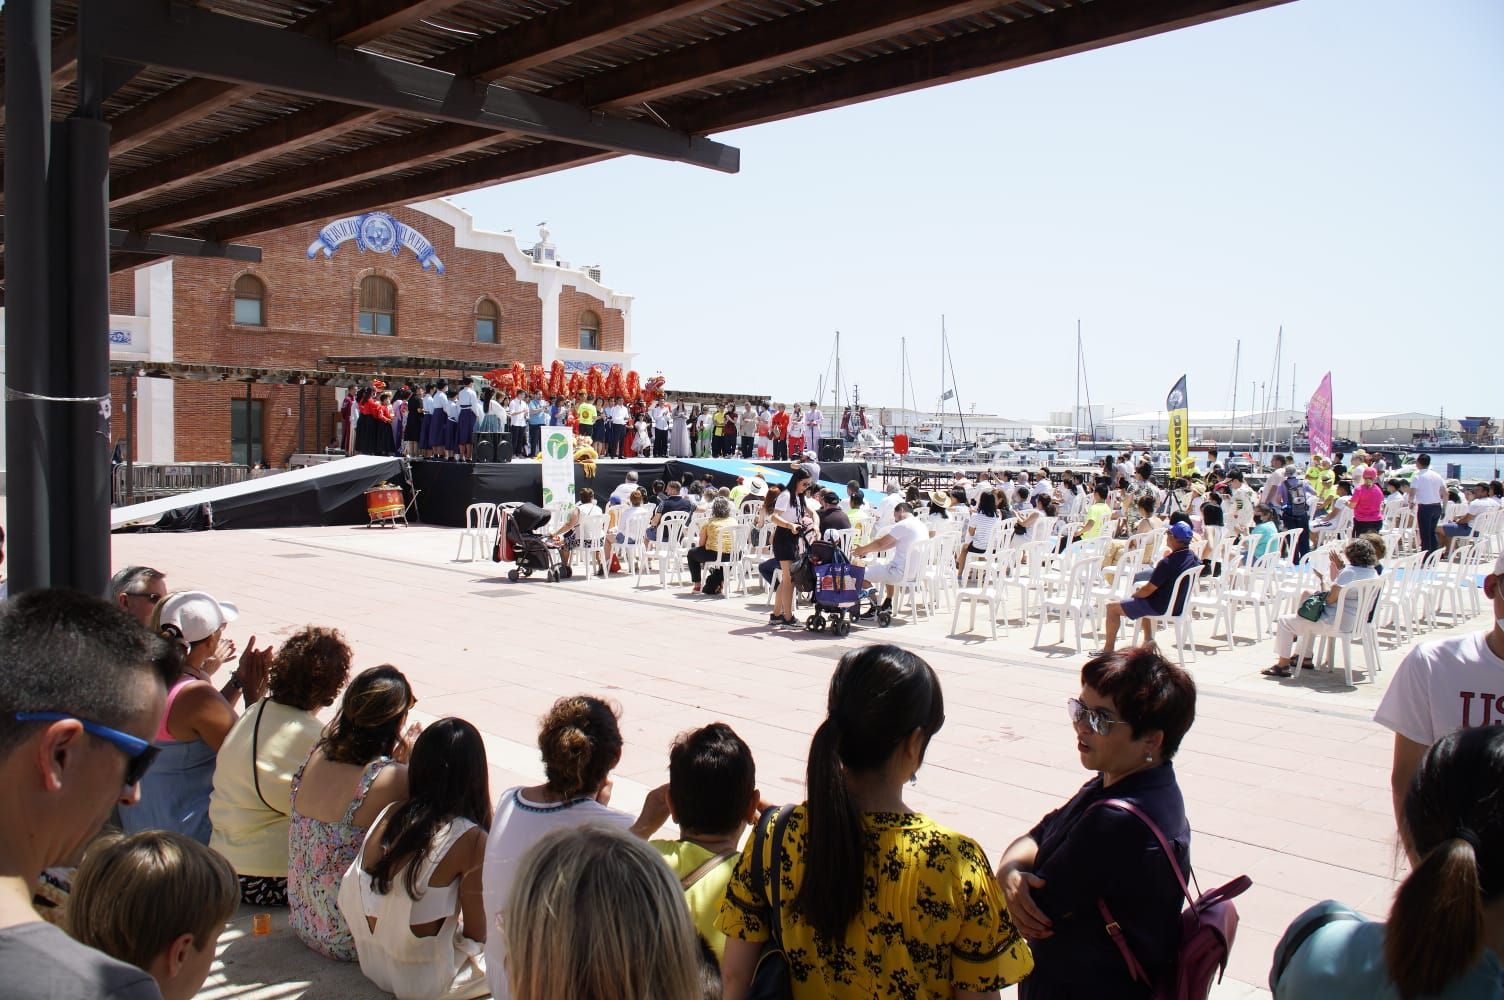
[[161, 245], [541, 158], [578, 28], [360, 21], [188, 101], [545, 37], [1029, 40], [813, 32], [235, 51], [333, 172]]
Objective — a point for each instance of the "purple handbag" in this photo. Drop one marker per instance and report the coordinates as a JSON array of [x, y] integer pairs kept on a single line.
[[1207, 927]]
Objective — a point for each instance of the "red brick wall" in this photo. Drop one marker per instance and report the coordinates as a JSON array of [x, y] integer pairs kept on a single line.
[[572, 304], [311, 310], [123, 293]]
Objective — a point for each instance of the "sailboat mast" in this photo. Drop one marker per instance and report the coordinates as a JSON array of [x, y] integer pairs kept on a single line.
[[1237, 356], [1076, 413], [1294, 419], [941, 406], [1279, 344], [836, 392]]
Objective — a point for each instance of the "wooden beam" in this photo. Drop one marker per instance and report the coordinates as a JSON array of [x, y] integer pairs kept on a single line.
[[549, 39], [333, 172], [1029, 40], [235, 51], [813, 32], [541, 158], [348, 23], [568, 32]]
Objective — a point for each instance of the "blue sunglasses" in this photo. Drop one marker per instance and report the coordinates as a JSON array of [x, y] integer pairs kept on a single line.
[[139, 753]]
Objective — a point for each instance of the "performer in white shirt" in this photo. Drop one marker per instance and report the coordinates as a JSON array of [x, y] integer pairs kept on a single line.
[[663, 417], [1427, 491], [517, 424]]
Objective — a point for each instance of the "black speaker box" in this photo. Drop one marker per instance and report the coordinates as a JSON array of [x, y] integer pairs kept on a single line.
[[503, 448], [832, 450]]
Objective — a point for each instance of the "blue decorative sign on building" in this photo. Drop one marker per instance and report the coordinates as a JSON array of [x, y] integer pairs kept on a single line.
[[379, 233], [120, 336]]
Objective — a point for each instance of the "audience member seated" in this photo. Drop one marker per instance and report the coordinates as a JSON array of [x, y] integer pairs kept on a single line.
[[832, 517], [580, 741], [672, 502], [902, 535], [980, 528], [1264, 536], [85, 688], [1152, 598], [137, 589], [873, 898], [155, 900], [1359, 565], [357, 769], [717, 538], [253, 779], [595, 913], [618, 515], [412, 896], [1097, 515], [175, 794], [1445, 935], [711, 795], [624, 490], [1135, 708], [1480, 503]]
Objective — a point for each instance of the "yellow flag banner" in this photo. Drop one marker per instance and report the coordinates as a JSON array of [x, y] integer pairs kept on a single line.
[[1180, 430]]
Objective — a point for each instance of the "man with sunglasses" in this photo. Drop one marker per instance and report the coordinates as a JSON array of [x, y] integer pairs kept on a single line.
[[137, 589], [84, 690], [1152, 598]]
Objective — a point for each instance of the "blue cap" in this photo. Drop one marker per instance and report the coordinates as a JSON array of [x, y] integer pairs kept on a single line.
[[1181, 530]]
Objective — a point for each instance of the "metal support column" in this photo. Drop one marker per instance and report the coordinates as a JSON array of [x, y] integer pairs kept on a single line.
[[130, 438], [302, 385], [250, 463], [29, 422]]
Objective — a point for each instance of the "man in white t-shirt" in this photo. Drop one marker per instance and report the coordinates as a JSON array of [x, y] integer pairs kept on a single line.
[[663, 417], [1444, 685], [906, 531], [1427, 490], [624, 492], [517, 424]]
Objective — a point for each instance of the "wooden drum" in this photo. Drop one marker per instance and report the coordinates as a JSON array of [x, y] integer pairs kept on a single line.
[[385, 503]]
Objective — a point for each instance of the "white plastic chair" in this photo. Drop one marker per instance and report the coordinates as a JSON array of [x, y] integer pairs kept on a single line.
[[670, 548], [1073, 600], [631, 551], [1182, 622], [1253, 587], [981, 584], [1364, 595], [914, 586], [590, 539], [481, 524]]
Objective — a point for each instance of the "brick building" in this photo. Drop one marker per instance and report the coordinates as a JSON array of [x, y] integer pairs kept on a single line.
[[421, 281]]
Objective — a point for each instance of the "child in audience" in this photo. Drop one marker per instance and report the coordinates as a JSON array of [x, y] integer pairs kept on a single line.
[[157, 900], [712, 796], [593, 912]]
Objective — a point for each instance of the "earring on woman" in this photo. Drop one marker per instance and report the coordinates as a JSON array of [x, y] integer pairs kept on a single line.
[[913, 779]]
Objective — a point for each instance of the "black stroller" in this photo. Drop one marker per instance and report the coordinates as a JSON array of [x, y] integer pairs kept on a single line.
[[530, 550]]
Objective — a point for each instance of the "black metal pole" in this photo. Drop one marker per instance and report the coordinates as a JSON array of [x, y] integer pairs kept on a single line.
[[249, 462], [318, 418], [86, 510], [302, 384], [28, 113]]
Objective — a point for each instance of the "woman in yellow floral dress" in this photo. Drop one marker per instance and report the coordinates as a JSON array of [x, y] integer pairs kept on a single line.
[[875, 900]]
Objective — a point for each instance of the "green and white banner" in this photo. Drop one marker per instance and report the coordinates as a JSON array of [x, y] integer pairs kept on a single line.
[[558, 465]]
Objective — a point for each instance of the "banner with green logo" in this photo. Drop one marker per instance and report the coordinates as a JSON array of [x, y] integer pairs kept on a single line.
[[558, 465]]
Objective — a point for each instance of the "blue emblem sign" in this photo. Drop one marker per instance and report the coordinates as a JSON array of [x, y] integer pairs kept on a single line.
[[120, 336], [377, 232]]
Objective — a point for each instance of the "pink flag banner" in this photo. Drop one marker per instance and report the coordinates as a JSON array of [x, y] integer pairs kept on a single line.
[[1319, 418]]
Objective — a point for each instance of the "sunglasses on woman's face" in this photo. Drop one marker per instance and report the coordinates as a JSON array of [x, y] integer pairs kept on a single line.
[[1098, 720]]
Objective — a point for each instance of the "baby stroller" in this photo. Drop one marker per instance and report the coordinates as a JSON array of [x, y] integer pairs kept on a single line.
[[530, 550], [839, 587]]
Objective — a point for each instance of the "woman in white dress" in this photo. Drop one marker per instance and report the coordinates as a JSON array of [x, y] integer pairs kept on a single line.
[[412, 896], [679, 441]]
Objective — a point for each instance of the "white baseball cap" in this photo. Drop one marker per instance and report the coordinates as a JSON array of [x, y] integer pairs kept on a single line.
[[195, 614]]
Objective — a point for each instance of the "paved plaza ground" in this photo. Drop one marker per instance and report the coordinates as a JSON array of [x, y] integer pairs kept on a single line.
[[1284, 781]]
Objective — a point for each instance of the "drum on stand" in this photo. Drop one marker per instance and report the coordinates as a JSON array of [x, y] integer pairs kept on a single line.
[[385, 504]]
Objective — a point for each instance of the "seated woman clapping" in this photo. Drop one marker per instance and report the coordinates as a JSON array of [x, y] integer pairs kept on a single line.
[[412, 896]]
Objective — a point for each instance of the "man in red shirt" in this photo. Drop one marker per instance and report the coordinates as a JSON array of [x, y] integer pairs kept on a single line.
[[780, 428]]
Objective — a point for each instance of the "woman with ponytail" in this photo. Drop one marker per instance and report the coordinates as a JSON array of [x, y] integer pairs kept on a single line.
[[1445, 936], [874, 898]]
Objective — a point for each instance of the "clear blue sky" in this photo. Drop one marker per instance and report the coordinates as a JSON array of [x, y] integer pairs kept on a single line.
[[1334, 166]]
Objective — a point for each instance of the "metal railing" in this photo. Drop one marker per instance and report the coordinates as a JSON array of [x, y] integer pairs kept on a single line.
[[152, 482]]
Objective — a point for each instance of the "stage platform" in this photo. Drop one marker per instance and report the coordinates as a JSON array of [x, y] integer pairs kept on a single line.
[[447, 488]]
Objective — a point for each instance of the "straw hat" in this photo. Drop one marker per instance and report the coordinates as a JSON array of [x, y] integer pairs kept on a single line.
[[757, 487]]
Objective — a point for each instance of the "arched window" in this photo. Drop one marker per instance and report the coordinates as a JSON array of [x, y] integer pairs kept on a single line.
[[378, 306], [487, 319], [250, 298], [590, 331]]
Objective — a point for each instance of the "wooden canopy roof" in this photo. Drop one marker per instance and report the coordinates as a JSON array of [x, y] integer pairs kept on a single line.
[[234, 117]]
